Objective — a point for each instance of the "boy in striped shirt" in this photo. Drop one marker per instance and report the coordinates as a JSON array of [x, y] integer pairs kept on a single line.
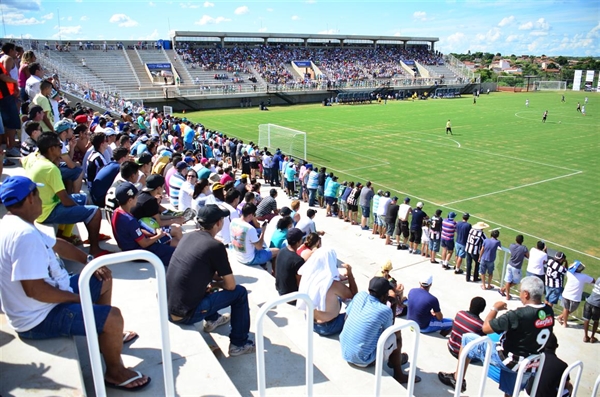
[[448, 231], [466, 321]]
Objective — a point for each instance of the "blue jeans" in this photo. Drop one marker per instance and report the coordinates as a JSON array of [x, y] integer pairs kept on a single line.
[[437, 325], [332, 327], [66, 319], [240, 312], [312, 193]]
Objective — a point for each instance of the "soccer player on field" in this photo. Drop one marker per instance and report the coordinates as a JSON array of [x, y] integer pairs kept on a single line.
[[448, 127], [545, 116]]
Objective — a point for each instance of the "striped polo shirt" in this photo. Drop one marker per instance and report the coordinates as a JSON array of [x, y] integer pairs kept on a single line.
[[463, 322], [448, 229]]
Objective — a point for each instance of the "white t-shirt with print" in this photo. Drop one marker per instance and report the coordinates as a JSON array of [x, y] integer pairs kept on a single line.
[[26, 254], [243, 237]]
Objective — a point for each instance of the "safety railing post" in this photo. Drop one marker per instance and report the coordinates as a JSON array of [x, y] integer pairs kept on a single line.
[[523, 365], [401, 324], [90, 321], [563, 380], [596, 387], [260, 340], [460, 374]]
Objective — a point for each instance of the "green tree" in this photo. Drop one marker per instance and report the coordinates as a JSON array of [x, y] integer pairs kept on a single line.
[[562, 61]]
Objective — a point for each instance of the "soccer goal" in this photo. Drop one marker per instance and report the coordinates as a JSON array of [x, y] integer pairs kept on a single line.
[[291, 142], [550, 85]]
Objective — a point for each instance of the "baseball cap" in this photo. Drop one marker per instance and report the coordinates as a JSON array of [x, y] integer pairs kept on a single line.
[[145, 158], [285, 211], [426, 280], [204, 160], [386, 194], [109, 131], [125, 191], [81, 119], [294, 235], [406, 199], [144, 138], [466, 216], [166, 153], [217, 186], [452, 215], [154, 181], [63, 125], [379, 286], [181, 165], [419, 204], [244, 176], [189, 159], [394, 198], [16, 188], [110, 124], [211, 213]]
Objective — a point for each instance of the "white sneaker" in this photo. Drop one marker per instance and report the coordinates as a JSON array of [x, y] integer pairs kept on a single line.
[[239, 350], [210, 326]]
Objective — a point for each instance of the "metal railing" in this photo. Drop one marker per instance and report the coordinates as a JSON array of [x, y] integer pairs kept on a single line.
[[131, 67], [523, 365], [412, 372], [260, 340], [90, 321], [596, 387], [563, 380], [460, 374]]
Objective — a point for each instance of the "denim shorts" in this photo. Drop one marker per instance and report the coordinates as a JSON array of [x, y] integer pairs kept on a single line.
[[332, 327], [513, 275], [71, 215], [66, 319], [320, 191], [70, 174], [553, 294], [260, 257], [366, 211], [486, 267], [434, 245], [460, 250]]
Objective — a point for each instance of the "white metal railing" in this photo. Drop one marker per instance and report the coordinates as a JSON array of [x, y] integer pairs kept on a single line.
[[460, 374], [523, 365], [260, 340], [131, 67], [563, 380], [596, 387], [412, 372], [90, 321]]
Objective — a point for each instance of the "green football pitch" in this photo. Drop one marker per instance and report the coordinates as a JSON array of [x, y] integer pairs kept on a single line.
[[502, 165]]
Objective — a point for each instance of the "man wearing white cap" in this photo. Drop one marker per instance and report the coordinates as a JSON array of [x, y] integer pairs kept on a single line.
[[421, 306]]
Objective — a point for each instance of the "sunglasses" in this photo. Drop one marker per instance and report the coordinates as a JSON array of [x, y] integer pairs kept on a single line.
[[192, 176]]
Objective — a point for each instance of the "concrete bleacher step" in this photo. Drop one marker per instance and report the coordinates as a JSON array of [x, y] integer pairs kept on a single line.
[[38, 367]]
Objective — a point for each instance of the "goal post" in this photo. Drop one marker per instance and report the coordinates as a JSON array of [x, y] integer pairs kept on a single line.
[[291, 142], [550, 85]]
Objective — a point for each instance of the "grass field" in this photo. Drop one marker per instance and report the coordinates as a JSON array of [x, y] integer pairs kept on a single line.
[[502, 165]]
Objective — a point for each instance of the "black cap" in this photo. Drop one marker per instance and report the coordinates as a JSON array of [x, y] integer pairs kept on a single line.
[[211, 213], [154, 181], [145, 158], [285, 211], [124, 192], [294, 235], [379, 286]]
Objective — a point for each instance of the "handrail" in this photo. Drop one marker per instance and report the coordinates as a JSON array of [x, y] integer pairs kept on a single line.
[[131, 67], [260, 340], [563, 379], [523, 367], [596, 387], [90, 321], [460, 374], [412, 372]]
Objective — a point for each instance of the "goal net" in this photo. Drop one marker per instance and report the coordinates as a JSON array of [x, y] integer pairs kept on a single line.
[[550, 85], [291, 142]]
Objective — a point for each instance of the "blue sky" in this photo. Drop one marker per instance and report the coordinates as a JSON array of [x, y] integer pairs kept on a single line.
[[510, 27]]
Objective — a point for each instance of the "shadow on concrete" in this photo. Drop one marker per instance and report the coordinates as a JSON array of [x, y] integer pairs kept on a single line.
[[32, 376]]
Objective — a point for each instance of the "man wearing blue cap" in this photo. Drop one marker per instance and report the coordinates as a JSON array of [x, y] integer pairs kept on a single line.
[[448, 231], [39, 297], [71, 171]]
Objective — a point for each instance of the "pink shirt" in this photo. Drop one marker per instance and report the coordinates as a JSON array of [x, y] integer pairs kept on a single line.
[[225, 178], [170, 173]]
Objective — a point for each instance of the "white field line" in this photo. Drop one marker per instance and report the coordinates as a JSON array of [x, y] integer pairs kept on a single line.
[[366, 166], [512, 188]]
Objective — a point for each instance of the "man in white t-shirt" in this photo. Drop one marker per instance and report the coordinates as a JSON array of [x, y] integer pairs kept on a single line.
[[32, 85], [40, 299], [232, 199], [382, 208], [571, 295], [403, 226], [247, 245], [537, 260], [307, 224]]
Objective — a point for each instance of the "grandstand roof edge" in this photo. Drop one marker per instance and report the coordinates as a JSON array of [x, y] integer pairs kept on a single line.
[[300, 36]]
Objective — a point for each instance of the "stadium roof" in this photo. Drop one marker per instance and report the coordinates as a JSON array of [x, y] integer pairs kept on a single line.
[[302, 36]]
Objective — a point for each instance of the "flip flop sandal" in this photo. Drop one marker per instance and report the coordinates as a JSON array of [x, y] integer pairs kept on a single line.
[[188, 215], [129, 336], [121, 386], [101, 237]]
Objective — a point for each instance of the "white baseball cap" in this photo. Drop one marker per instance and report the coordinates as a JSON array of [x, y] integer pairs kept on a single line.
[[420, 204]]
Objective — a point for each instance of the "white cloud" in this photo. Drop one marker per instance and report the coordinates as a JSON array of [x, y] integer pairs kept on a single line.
[[542, 24], [123, 20], [25, 36], [595, 32], [262, 30], [48, 16], [18, 19], [83, 18], [152, 36], [506, 21], [189, 5], [526, 26], [66, 32], [420, 15], [208, 20], [241, 10], [512, 38], [21, 5], [490, 36], [208, 4], [538, 33], [329, 31], [295, 17]]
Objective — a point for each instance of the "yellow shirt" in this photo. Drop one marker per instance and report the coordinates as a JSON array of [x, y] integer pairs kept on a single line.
[[448, 124], [41, 170], [44, 102]]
